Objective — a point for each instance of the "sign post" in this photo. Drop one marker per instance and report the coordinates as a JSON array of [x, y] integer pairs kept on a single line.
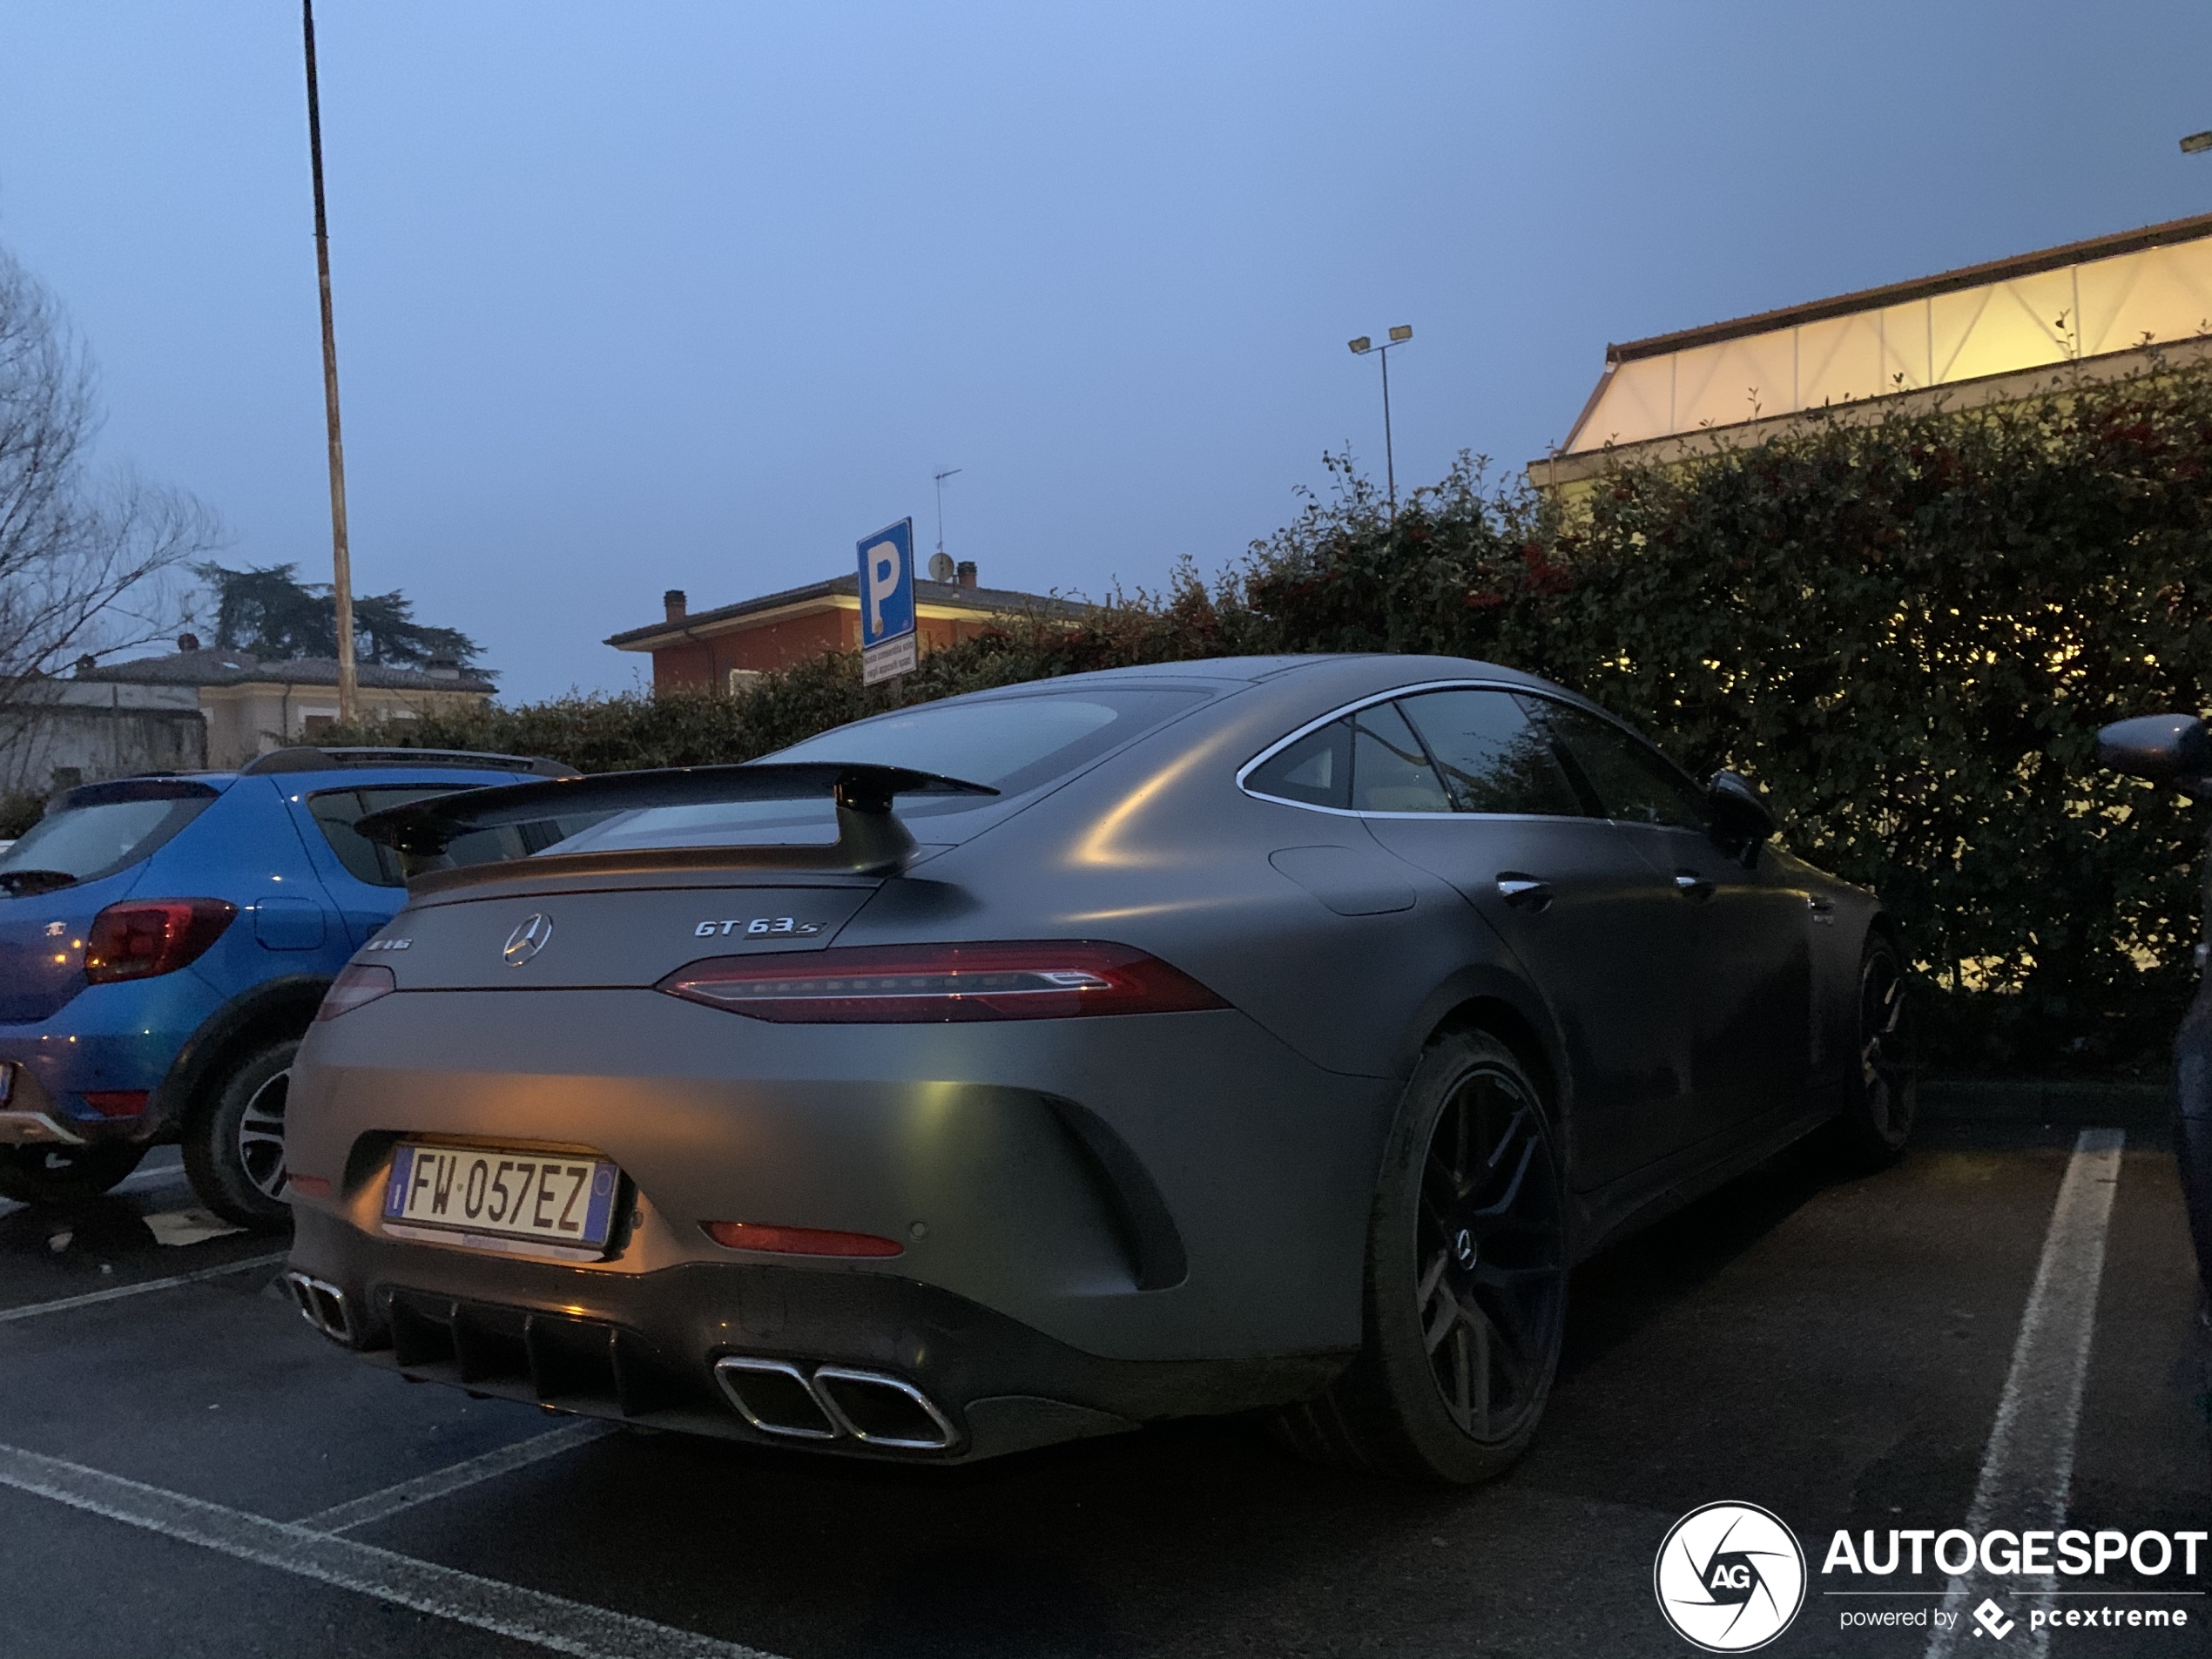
[[887, 603]]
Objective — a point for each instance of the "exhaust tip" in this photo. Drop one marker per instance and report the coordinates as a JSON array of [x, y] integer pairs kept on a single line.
[[835, 1402], [878, 1410], [773, 1395], [323, 1305]]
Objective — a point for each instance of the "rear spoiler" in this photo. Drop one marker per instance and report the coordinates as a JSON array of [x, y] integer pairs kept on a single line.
[[870, 838]]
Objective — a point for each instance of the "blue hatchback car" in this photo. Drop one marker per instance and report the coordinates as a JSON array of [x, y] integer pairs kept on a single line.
[[163, 943]]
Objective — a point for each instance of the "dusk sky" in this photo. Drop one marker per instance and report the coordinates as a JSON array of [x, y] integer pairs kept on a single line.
[[658, 295]]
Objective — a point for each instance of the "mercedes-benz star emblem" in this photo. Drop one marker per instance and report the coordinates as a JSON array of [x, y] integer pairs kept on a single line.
[[528, 939]]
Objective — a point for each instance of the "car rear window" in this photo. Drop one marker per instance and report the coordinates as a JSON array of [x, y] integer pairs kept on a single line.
[[105, 827], [1014, 744]]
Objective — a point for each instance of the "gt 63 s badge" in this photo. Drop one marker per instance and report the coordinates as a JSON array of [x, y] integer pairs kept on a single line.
[[758, 928], [1729, 1577]]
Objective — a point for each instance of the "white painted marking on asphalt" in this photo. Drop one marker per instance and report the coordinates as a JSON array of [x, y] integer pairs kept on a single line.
[[63, 1305], [443, 1592], [2029, 1463], [456, 1477]]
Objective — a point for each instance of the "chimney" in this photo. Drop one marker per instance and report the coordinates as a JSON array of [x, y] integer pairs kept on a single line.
[[967, 573], [187, 642], [674, 601], [444, 668], [85, 664]]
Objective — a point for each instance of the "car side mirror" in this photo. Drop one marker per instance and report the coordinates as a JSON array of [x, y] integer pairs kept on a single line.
[[1740, 820], [2172, 749]]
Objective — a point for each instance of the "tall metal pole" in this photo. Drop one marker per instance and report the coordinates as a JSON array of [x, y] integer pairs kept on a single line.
[[340, 561], [1389, 458]]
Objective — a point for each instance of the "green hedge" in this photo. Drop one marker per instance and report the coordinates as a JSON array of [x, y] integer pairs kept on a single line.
[[1906, 629]]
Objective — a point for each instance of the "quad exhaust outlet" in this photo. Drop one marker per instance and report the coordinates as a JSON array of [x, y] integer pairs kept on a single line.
[[835, 1402], [323, 1305]]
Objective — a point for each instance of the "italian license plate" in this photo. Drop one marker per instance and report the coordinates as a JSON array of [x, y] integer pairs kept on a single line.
[[502, 1194]]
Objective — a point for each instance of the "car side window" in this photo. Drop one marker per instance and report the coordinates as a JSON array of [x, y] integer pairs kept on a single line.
[[337, 811], [1631, 780], [1389, 770], [1493, 757], [1316, 770]]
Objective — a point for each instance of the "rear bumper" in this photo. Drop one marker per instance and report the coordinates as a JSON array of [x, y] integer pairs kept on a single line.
[[107, 1040], [643, 1349], [1178, 1186], [1112, 1219]]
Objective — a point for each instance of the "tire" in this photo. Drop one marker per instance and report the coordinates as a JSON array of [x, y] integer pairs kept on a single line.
[[54, 1174], [1884, 1092], [1465, 1298], [233, 1141]]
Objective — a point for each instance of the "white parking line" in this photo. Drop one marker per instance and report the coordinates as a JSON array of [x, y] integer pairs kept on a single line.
[[63, 1305], [456, 1477], [2028, 1464], [443, 1592]]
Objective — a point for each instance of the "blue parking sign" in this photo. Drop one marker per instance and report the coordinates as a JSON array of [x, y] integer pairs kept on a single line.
[[887, 583], [887, 603]]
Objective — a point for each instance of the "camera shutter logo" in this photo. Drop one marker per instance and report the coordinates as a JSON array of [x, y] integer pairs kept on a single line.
[[527, 940], [1729, 1577]]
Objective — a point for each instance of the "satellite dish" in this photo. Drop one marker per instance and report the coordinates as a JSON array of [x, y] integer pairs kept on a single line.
[[941, 567]]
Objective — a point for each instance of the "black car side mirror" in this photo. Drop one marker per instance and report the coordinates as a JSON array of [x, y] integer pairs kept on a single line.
[[1740, 820], [2172, 749]]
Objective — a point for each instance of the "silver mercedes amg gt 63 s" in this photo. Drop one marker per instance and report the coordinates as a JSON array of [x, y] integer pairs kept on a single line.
[[1258, 1033]]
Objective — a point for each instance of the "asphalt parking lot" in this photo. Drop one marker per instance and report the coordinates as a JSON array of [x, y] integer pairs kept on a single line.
[[186, 1468]]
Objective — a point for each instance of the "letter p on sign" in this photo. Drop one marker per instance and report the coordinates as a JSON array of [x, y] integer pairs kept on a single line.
[[883, 582]]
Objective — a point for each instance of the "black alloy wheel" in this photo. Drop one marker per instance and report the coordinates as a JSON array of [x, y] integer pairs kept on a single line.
[[1491, 1287], [1465, 1304], [1884, 1090], [234, 1142], [53, 1174]]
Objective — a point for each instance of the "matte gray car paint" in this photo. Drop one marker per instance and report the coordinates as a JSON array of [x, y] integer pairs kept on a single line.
[[1259, 1127]]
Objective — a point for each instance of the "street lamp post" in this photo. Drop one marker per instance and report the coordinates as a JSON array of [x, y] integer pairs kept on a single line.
[[342, 570], [1360, 348]]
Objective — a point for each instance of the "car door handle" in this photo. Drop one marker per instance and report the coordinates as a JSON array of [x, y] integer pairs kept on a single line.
[[1691, 885], [1524, 891]]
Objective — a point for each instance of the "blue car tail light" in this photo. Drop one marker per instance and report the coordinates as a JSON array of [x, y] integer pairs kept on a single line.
[[144, 937], [917, 984]]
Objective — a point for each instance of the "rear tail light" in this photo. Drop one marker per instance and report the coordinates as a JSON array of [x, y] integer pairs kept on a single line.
[[356, 983], [117, 1103], [916, 984], [149, 936], [799, 1241]]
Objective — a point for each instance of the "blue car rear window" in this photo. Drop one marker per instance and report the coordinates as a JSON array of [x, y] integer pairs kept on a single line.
[[105, 827]]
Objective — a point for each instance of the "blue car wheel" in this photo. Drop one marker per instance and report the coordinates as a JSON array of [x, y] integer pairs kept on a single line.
[[233, 1143]]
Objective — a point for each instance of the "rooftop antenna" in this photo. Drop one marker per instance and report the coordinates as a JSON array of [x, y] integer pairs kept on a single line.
[[941, 565]]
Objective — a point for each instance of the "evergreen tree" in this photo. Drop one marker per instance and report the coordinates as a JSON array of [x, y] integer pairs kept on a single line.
[[269, 613]]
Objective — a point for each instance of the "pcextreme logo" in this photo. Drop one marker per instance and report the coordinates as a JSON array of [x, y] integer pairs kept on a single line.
[[1729, 1577]]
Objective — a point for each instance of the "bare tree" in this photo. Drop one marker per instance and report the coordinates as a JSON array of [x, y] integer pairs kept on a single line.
[[83, 556]]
